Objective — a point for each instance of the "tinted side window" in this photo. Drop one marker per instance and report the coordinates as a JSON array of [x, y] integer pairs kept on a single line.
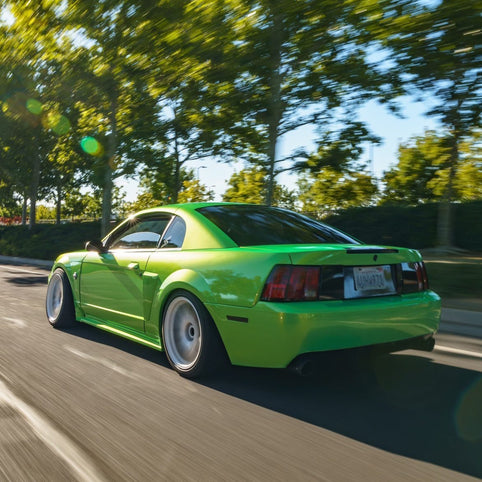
[[174, 236], [140, 233]]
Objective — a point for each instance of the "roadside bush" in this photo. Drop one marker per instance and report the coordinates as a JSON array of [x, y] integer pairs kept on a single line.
[[46, 241], [413, 227]]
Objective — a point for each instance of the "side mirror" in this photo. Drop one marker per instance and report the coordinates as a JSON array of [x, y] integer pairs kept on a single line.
[[95, 246]]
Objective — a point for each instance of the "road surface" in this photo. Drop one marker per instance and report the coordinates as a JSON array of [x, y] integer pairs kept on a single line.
[[86, 405]]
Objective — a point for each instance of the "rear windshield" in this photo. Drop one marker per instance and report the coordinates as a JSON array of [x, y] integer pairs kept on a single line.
[[261, 225]]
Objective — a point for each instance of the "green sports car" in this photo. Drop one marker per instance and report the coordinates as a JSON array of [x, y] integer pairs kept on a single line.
[[255, 285]]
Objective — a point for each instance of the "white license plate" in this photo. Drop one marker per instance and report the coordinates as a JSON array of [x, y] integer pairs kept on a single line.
[[368, 278]]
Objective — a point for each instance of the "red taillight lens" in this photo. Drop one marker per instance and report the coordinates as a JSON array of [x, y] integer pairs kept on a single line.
[[275, 287], [424, 275], [414, 277], [418, 271], [292, 283], [422, 279]]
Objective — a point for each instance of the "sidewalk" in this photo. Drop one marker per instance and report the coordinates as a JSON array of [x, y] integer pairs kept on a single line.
[[459, 316], [461, 322]]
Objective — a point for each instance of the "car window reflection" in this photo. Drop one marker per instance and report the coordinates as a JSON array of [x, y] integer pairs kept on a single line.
[[140, 233]]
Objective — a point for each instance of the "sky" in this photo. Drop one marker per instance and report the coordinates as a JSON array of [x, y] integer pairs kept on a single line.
[[391, 129]]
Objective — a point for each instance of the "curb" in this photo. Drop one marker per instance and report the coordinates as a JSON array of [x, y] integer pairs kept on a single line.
[[27, 261], [461, 322]]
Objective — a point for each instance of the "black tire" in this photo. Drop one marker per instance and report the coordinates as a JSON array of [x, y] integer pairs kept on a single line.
[[190, 338], [59, 303]]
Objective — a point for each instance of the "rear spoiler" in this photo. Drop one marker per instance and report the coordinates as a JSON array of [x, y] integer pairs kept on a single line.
[[373, 250]]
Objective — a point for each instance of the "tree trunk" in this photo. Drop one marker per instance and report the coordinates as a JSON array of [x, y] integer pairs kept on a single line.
[[275, 107], [58, 204], [109, 168], [444, 224], [24, 209], [177, 161], [445, 214], [177, 171], [34, 190], [107, 200]]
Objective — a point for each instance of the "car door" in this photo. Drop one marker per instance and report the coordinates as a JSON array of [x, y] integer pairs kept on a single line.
[[111, 282]]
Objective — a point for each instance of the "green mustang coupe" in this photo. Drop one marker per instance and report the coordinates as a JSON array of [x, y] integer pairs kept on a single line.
[[258, 286]]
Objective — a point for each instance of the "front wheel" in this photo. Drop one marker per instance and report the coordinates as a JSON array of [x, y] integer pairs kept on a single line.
[[190, 338], [59, 302]]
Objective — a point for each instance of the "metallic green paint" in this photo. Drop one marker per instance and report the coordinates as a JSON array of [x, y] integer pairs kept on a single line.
[[124, 292]]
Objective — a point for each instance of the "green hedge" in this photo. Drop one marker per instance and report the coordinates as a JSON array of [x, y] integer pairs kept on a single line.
[[413, 227], [46, 241]]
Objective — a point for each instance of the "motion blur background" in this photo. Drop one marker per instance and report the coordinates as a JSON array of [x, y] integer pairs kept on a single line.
[[108, 107]]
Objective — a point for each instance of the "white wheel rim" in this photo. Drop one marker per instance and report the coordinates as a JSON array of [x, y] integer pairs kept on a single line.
[[182, 333], [55, 295]]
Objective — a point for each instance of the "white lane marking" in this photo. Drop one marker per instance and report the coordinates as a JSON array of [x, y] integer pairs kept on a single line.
[[55, 440], [15, 321], [457, 351], [106, 363], [20, 270], [2, 375]]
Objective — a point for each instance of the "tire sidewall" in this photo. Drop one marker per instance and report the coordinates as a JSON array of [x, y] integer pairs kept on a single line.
[[66, 315], [200, 366]]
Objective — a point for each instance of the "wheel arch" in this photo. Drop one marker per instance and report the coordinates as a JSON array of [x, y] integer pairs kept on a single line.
[[181, 280], [69, 266], [211, 356]]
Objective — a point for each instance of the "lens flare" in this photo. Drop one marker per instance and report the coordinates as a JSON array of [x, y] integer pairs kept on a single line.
[[61, 126], [34, 106], [91, 146], [56, 122], [468, 415]]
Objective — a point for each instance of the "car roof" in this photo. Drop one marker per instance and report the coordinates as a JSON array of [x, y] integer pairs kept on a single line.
[[205, 234], [191, 206]]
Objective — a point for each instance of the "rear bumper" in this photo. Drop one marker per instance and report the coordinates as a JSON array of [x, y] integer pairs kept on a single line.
[[274, 334], [307, 363]]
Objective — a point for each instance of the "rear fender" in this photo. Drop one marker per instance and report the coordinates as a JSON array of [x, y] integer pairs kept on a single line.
[[184, 279]]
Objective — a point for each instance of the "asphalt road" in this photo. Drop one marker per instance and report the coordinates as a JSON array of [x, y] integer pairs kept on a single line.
[[86, 405]]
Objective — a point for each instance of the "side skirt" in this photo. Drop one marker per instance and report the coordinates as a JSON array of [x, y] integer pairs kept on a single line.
[[125, 333]]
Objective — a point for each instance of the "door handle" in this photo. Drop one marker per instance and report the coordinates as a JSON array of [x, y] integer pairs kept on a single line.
[[133, 266]]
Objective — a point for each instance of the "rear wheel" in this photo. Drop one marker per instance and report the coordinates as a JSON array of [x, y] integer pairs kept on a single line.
[[59, 302], [190, 338]]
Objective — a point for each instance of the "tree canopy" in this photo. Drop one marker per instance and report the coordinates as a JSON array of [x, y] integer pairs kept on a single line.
[[106, 90]]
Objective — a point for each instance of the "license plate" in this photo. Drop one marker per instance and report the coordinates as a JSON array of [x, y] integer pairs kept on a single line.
[[371, 278]]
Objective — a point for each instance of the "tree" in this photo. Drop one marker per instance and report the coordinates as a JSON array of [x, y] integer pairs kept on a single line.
[[39, 112], [191, 69], [423, 171], [194, 191], [330, 191], [249, 186], [438, 47], [34, 121], [154, 192], [304, 65], [116, 108]]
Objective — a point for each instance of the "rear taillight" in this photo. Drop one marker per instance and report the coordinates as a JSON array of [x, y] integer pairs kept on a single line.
[[424, 275], [308, 283], [292, 283], [414, 277]]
